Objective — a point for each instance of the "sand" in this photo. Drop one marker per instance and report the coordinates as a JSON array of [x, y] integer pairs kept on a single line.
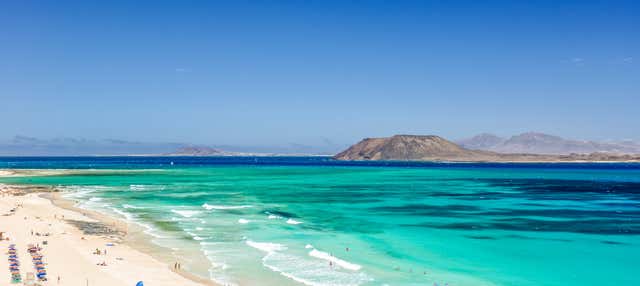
[[69, 253]]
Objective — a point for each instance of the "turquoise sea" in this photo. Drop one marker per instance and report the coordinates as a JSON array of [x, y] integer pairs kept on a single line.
[[314, 221]]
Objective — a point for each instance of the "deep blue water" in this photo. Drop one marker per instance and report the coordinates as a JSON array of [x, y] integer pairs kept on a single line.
[[123, 162]]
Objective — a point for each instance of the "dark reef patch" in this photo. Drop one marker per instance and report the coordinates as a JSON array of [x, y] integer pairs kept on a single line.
[[587, 226], [613, 242]]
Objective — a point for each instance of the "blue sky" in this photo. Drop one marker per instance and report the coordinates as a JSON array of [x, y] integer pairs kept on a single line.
[[318, 72]]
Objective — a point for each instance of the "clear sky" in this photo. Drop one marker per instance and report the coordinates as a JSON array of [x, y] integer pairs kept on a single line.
[[315, 72]]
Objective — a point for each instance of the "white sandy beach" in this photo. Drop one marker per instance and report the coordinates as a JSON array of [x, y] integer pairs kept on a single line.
[[69, 254]]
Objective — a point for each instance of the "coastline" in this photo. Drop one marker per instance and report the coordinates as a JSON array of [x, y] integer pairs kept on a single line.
[[135, 258], [139, 243]]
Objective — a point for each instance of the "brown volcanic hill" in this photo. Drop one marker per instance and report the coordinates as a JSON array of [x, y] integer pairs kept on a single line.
[[406, 147], [435, 148]]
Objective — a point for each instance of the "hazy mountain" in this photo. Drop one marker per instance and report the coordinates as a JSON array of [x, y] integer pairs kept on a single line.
[[197, 151], [482, 141], [292, 148], [540, 143], [31, 146], [435, 148]]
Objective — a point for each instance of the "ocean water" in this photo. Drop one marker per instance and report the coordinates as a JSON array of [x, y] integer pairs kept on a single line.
[[314, 221]]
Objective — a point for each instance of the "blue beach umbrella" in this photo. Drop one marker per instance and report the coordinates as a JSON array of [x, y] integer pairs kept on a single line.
[[139, 283]]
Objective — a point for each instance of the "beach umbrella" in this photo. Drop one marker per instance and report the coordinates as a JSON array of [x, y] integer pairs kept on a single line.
[[139, 283]]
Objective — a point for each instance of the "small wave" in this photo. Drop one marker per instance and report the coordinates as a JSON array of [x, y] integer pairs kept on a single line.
[[150, 230], [126, 206], [266, 246], [138, 187], [272, 216], [195, 237], [223, 207], [243, 221], [94, 199], [82, 191], [126, 215], [305, 271], [336, 261], [293, 221], [186, 213]]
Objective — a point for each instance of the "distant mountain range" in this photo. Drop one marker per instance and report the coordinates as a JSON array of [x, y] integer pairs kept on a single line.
[[435, 148], [540, 143], [32, 146], [526, 143], [193, 150]]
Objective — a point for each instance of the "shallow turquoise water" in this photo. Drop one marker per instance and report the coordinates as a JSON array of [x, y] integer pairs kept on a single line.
[[456, 225]]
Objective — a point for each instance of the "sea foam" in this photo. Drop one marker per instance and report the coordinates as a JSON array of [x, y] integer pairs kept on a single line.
[[266, 246], [127, 206], [305, 271], [223, 207], [126, 215], [336, 261], [293, 221], [186, 213]]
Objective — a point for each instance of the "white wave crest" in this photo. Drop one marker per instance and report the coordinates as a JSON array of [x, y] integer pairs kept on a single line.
[[243, 221], [186, 213], [126, 215], [310, 272], [293, 221], [336, 261], [223, 207], [195, 236], [127, 206], [266, 246], [137, 187]]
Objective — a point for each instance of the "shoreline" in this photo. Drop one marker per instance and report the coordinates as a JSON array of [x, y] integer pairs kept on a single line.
[[128, 229], [137, 255]]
